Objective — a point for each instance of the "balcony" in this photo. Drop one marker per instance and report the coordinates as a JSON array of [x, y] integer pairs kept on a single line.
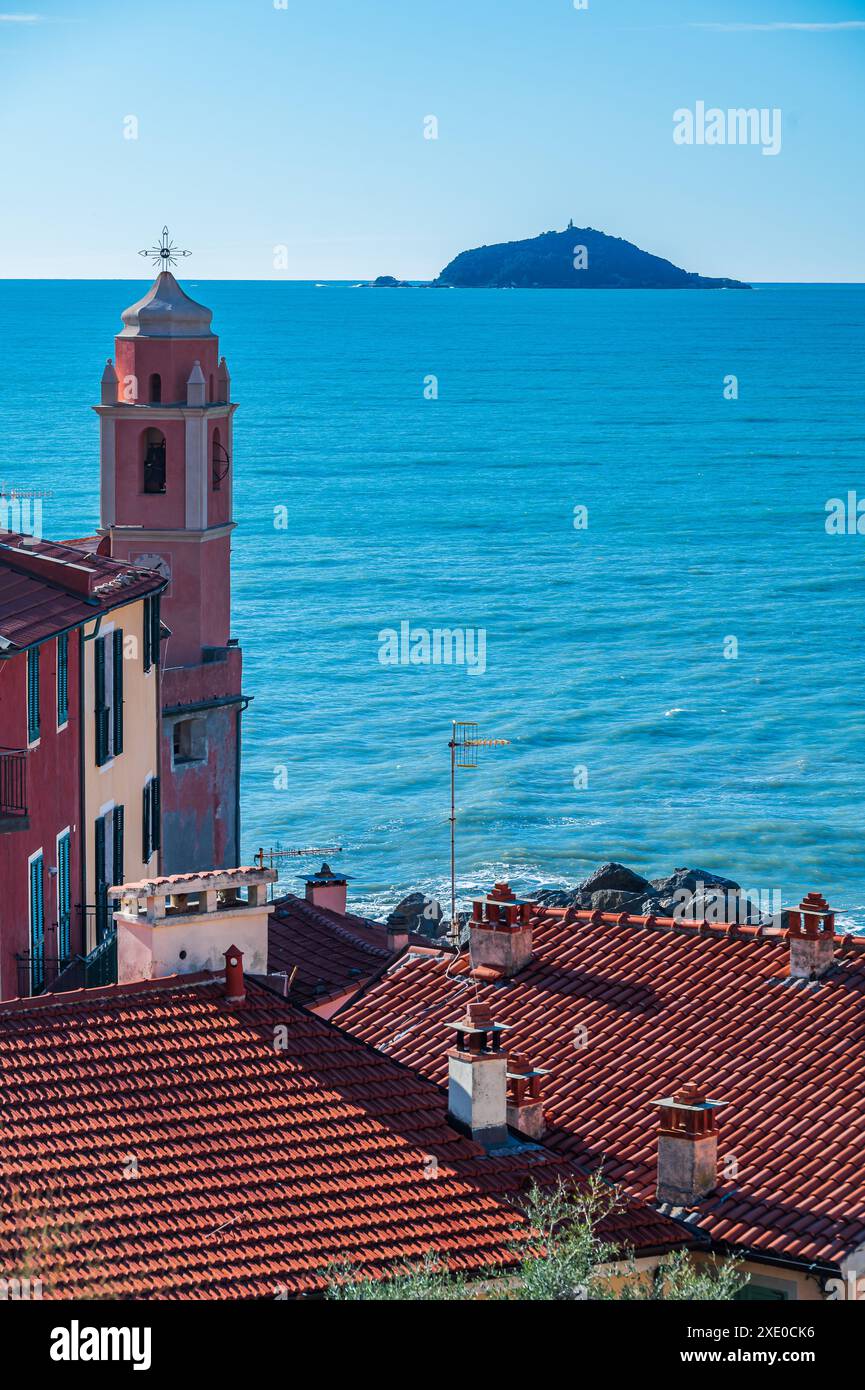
[[13, 790]]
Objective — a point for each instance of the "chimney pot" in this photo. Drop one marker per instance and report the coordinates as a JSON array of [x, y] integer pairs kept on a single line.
[[687, 1146], [525, 1110], [328, 890], [500, 932], [477, 1078], [235, 987], [811, 934]]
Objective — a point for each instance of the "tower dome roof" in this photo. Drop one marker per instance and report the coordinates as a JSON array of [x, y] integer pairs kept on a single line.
[[166, 312]]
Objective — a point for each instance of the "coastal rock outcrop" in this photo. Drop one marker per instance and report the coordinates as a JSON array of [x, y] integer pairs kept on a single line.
[[419, 914]]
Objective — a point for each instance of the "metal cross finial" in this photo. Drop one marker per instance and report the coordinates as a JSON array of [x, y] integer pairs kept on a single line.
[[166, 253]]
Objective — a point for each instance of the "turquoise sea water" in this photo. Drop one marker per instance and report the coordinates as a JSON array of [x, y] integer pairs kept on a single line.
[[605, 647]]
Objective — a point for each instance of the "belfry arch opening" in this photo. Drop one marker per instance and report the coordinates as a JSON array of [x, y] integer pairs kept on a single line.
[[155, 392], [154, 461]]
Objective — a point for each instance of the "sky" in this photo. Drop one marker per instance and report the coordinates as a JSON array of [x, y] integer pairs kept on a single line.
[[287, 138]]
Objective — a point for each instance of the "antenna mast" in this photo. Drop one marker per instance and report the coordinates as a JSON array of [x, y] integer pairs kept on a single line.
[[464, 744]]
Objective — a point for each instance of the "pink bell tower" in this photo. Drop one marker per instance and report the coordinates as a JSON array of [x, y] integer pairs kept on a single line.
[[166, 503]]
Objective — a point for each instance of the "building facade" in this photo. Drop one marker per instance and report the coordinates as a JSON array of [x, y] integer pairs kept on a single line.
[[166, 423], [79, 714]]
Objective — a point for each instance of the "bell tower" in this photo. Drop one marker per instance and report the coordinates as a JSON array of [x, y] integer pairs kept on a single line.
[[166, 422]]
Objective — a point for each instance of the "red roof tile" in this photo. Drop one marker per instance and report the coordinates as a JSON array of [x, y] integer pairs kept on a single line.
[[657, 1007], [326, 952], [46, 588], [168, 1149]]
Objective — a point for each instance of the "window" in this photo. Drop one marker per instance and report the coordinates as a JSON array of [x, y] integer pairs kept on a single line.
[[190, 741], [33, 695], [109, 856], [117, 827], [108, 680], [117, 694], [64, 901], [151, 820], [156, 389], [151, 632], [154, 461], [37, 924], [62, 679], [101, 880], [102, 712]]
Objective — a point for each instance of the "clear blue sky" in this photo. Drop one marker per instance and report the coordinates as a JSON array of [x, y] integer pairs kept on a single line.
[[303, 127]]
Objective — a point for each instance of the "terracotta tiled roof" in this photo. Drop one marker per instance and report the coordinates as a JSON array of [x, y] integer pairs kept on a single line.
[[656, 1008], [326, 952], [46, 588], [167, 1148]]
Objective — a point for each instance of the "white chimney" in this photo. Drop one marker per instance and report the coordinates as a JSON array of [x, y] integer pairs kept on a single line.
[[185, 923], [687, 1146], [477, 1078], [500, 932]]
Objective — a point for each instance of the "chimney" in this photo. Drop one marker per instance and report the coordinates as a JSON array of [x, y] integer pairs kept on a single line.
[[525, 1111], [811, 934], [196, 386], [477, 1078], [235, 986], [397, 932], [500, 932], [327, 889], [186, 923], [687, 1146]]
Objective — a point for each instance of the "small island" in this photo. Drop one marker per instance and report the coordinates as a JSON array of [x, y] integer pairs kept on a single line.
[[577, 258]]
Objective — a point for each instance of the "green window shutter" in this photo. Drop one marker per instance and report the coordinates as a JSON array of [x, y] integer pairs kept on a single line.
[[100, 705], [155, 815], [118, 819], [101, 889], [32, 694], [37, 926], [64, 901], [118, 690], [146, 838], [62, 678]]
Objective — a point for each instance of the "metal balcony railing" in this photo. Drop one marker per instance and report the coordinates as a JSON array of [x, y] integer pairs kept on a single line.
[[13, 784], [42, 974]]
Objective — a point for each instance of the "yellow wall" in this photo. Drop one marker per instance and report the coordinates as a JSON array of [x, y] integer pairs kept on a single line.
[[120, 781]]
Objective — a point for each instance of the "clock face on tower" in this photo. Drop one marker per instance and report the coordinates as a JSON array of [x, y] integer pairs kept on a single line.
[[152, 562]]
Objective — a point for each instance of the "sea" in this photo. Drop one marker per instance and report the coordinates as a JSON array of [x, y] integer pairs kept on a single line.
[[622, 506]]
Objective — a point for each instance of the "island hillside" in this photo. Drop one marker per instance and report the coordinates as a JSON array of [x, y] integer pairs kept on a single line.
[[551, 261]]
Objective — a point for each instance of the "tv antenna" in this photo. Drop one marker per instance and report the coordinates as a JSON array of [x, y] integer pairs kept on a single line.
[[271, 854], [464, 745]]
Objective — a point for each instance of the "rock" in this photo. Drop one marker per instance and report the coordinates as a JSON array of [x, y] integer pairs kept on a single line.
[[693, 893], [616, 877], [613, 900], [418, 913]]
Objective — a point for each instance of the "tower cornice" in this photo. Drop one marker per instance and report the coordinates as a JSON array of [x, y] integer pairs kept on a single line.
[[127, 411]]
